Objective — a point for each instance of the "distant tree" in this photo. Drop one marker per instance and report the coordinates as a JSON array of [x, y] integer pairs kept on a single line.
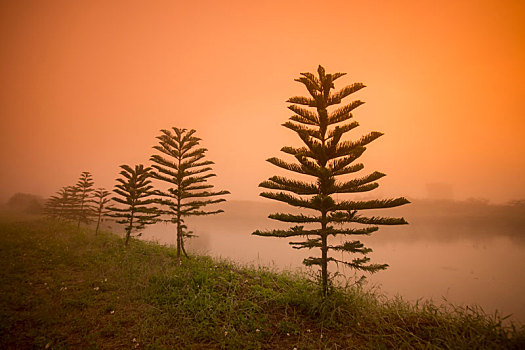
[[101, 200], [135, 194], [84, 188], [182, 165], [27, 203], [54, 204], [64, 204], [326, 158]]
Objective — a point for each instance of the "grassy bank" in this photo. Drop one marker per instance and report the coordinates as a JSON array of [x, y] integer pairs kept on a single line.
[[66, 288]]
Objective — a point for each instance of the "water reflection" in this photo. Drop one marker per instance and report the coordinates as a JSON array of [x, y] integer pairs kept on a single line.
[[464, 252]]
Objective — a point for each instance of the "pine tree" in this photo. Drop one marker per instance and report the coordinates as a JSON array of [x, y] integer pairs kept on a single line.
[[64, 204], [182, 165], [101, 199], [84, 186], [54, 205], [72, 203], [326, 158], [135, 193]]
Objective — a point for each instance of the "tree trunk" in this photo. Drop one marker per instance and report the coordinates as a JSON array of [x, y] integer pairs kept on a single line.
[[130, 227], [128, 233], [80, 214], [98, 223], [184, 250], [324, 255], [179, 238], [179, 224]]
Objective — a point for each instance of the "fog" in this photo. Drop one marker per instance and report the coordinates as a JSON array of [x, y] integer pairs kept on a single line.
[[467, 252], [86, 86]]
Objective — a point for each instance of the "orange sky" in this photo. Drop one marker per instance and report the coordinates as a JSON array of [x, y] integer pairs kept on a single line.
[[86, 86]]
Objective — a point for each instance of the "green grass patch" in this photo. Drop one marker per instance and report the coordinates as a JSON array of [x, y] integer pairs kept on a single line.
[[66, 288]]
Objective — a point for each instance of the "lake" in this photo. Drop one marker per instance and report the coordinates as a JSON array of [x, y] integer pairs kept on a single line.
[[466, 252]]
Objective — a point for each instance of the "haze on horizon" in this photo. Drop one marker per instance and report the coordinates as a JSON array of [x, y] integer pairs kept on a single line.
[[86, 86]]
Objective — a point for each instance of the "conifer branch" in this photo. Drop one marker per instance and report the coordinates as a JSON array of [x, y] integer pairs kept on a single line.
[[292, 232], [356, 184], [281, 183], [290, 166], [286, 198], [309, 243], [305, 113], [302, 120], [294, 218], [370, 204], [302, 101], [336, 98], [302, 129], [343, 113]]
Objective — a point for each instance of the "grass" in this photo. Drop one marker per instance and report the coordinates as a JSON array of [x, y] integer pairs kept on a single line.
[[66, 288]]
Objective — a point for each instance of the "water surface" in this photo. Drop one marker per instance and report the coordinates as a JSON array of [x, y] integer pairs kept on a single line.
[[466, 253]]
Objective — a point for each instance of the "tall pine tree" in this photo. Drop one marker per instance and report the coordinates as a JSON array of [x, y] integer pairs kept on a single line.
[[326, 157], [181, 164], [101, 200], [135, 196], [84, 186]]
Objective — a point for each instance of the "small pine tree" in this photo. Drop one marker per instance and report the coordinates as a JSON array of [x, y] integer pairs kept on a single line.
[[100, 199], [326, 158], [54, 206], [135, 193], [64, 204], [84, 187], [182, 166]]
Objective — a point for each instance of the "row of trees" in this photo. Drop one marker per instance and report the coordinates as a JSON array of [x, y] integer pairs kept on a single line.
[[179, 162], [325, 157], [80, 202]]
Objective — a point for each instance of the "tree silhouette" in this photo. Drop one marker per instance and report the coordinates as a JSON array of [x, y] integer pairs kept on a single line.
[[54, 205], [101, 199], [326, 158], [64, 204], [25, 202], [182, 165], [84, 186], [134, 193]]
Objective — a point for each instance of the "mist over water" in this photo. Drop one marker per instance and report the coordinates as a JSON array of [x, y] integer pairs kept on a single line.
[[464, 252]]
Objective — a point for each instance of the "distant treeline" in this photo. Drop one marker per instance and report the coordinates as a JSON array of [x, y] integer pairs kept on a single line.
[[442, 220], [26, 203]]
